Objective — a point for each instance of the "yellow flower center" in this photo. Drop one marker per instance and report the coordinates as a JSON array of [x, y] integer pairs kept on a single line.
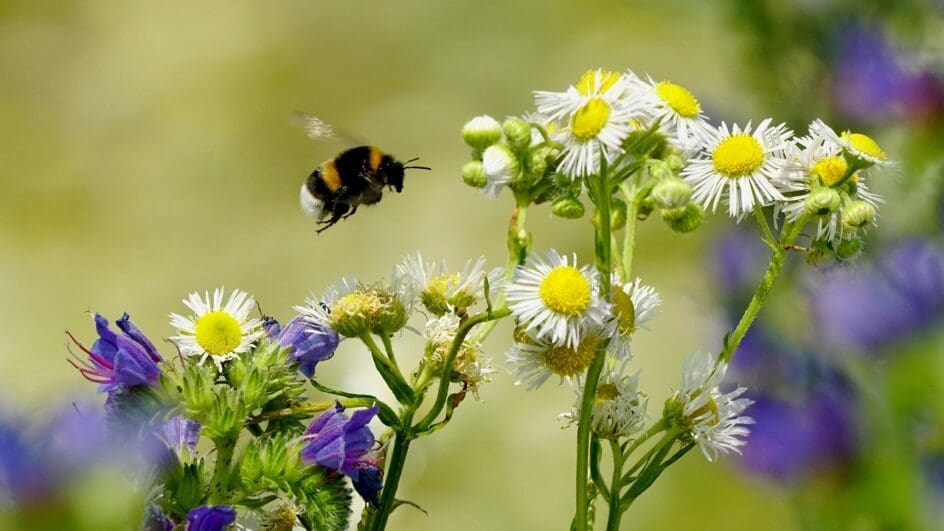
[[443, 284], [738, 155], [356, 304], [607, 391], [566, 291], [711, 409], [590, 119], [625, 312], [864, 144], [587, 82], [679, 99], [831, 170], [218, 333], [566, 361]]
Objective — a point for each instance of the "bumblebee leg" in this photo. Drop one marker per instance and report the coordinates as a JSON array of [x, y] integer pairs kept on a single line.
[[336, 215], [351, 213]]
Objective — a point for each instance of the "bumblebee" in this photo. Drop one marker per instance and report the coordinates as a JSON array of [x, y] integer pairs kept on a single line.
[[357, 176]]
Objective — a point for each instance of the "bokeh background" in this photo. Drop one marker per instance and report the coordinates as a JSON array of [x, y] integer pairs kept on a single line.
[[146, 152]]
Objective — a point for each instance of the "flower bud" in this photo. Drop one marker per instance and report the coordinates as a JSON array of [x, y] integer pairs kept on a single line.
[[567, 207], [822, 201], [473, 174], [518, 133], [392, 318], [848, 249], [500, 163], [537, 161], [481, 132], [857, 215], [671, 192], [674, 162], [673, 414], [684, 219], [820, 254]]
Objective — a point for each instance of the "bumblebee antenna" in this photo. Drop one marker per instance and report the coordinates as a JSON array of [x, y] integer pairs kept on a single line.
[[414, 159], [417, 168]]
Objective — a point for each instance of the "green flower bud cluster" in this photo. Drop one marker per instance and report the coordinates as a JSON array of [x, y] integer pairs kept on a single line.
[[368, 309], [509, 154], [273, 464], [673, 196]]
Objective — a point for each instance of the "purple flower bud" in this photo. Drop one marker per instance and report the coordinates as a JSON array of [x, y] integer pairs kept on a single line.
[[369, 482], [210, 518], [341, 443], [309, 343], [118, 360], [156, 520]]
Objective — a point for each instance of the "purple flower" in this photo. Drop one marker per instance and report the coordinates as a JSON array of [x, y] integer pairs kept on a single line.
[[901, 294], [126, 360], [179, 432], [308, 343], [791, 440], [340, 443], [869, 80], [210, 518], [739, 260]]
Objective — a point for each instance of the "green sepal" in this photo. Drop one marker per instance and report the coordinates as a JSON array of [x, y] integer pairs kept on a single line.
[[326, 499]]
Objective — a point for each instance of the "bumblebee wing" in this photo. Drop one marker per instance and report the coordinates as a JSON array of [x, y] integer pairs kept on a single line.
[[315, 128]]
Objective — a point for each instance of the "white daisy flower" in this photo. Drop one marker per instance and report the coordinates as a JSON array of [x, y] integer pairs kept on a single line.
[[593, 117], [634, 304], [352, 309], [857, 145], [619, 409], [675, 108], [553, 299], [438, 289], [740, 165], [214, 329], [815, 166], [712, 419], [472, 369], [535, 360]]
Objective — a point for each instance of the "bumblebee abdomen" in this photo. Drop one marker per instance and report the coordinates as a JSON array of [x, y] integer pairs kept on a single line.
[[329, 175]]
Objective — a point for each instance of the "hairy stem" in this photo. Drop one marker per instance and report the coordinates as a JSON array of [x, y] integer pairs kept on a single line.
[[394, 469], [788, 236], [613, 519]]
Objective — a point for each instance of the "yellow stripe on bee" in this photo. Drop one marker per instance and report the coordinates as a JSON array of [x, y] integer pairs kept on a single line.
[[329, 174], [374, 158]]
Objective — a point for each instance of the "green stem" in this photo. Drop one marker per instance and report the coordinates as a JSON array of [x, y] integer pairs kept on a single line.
[[667, 438], [389, 372], [603, 263], [765, 227], [613, 520], [850, 171], [310, 408], [518, 250], [388, 347], [401, 445], [787, 237], [629, 238], [219, 483], [444, 379]]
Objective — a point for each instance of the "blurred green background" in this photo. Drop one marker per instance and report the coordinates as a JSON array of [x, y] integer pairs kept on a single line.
[[147, 152]]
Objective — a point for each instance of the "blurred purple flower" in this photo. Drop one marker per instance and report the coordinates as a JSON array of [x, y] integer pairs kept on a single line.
[[210, 518], [739, 260], [336, 442], [126, 360], [180, 432], [309, 344], [868, 308], [37, 463], [868, 80], [791, 440]]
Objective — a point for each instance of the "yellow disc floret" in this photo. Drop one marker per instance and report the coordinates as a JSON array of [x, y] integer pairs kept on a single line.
[[625, 312], [864, 144], [566, 361], [587, 82], [738, 155], [831, 170], [565, 290], [607, 391], [590, 119], [679, 98], [218, 333]]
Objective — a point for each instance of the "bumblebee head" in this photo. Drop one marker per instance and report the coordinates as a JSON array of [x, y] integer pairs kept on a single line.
[[394, 169]]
